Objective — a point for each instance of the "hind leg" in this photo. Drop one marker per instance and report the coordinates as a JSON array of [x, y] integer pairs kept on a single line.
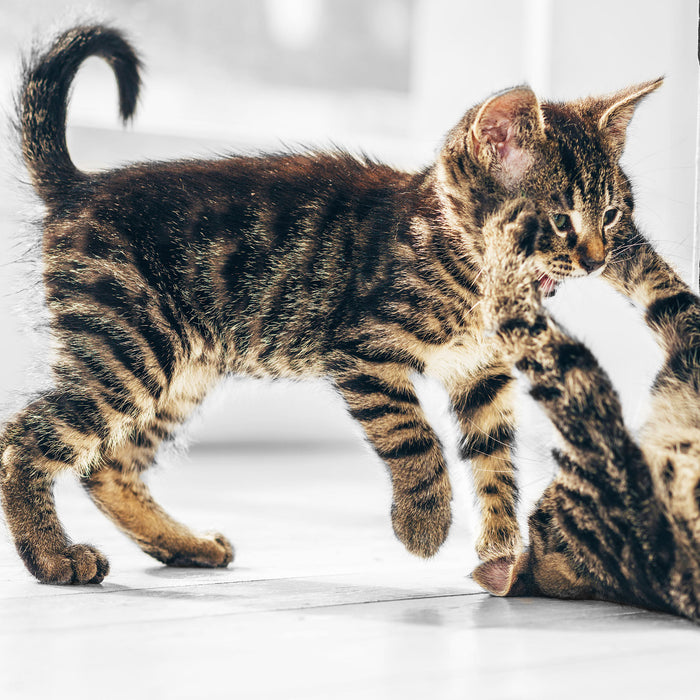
[[39, 443], [120, 493]]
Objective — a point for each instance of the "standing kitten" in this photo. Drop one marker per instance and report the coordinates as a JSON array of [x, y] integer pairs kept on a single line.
[[619, 522], [163, 277]]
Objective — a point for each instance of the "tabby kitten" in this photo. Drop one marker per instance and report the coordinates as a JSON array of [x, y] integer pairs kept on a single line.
[[620, 521], [163, 277]]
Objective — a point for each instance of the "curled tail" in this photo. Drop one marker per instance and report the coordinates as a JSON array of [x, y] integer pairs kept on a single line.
[[43, 103]]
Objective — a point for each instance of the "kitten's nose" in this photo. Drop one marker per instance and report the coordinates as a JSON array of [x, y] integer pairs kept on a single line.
[[590, 264]]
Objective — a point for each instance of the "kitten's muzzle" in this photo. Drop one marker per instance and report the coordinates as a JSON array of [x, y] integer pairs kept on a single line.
[[590, 264]]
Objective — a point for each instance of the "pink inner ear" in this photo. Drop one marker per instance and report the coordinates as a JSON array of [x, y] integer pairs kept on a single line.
[[497, 125], [496, 132], [495, 575], [499, 131]]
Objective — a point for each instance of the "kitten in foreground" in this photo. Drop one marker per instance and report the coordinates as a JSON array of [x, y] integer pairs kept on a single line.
[[161, 278], [621, 520]]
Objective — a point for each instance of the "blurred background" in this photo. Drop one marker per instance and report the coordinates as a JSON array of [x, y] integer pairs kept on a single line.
[[387, 77]]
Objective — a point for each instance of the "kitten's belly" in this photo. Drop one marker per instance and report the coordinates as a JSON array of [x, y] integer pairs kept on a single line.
[[462, 357]]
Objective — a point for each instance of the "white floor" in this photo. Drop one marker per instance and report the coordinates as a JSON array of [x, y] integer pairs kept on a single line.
[[321, 602]]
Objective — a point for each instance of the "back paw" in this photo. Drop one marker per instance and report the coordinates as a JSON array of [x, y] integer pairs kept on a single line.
[[77, 563], [209, 550]]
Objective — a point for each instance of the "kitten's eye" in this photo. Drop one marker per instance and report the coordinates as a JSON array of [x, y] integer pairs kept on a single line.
[[562, 222], [610, 216]]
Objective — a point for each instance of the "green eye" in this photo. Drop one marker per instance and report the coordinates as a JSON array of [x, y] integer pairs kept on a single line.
[[562, 222], [610, 216]]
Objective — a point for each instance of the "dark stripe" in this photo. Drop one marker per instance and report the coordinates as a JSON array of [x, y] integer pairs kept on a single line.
[[513, 324], [481, 444], [611, 514], [502, 508], [594, 549], [459, 161], [412, 447], [132, 309], [115, 393], [160, 432], [167, 416], [48, 441], [413, 324], [540, 519], [570, 355], [545, 394], [426, 504], [571, 166], [406, 425], [141, 439], [663, 551], [277, 293], [121, 344], [78, 411], [668, 473], [506, 477], [596, 542], [685, 366], [374, 412], [383, 355], [667, 309], [454, 267], [428, 482], [594, 475], [369, 384], [527, 365], [482, 393], [573, 428], [427, 302]]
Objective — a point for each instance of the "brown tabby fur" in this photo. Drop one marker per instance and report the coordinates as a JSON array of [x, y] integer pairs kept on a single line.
[[163, 277], [620, 521]]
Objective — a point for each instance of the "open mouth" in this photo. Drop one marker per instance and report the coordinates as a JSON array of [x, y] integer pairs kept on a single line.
[[548, 285]]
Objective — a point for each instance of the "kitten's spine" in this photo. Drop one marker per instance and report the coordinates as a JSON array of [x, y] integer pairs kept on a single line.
[[43, 102]]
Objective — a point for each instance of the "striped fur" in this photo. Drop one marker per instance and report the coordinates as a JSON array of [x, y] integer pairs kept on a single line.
[[163, 277], [621, 520]]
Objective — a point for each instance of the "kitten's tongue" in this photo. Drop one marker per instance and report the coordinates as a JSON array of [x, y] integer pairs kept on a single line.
[[547, 284]]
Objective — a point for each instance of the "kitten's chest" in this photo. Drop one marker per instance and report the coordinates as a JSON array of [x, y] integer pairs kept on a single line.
[[466, 355]]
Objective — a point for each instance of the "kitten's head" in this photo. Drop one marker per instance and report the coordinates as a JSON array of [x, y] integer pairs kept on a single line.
[[562, 156]]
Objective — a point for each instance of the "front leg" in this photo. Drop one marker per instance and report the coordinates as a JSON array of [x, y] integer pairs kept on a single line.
[[636, 269], [483, 406], [382, 398]]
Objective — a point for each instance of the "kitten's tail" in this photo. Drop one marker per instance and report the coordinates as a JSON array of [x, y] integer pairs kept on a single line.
[[43, 102]]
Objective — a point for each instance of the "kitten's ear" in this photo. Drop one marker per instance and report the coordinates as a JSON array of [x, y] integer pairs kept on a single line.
[[615, 111], [505, 576], [503, 132]]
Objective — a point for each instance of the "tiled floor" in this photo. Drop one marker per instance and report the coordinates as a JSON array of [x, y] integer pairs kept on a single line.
[[321, 602]]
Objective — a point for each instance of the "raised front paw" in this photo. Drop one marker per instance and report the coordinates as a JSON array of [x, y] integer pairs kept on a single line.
[[77, 563], [513, 229], [511, 300], [421, 524]]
